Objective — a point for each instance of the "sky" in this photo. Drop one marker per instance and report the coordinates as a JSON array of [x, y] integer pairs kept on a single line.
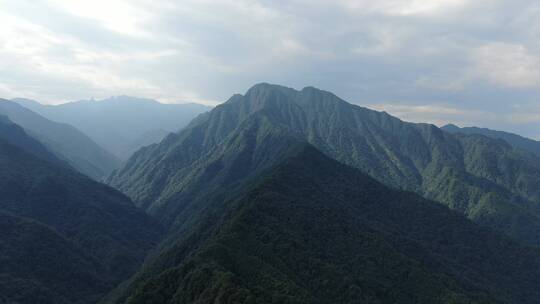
[[466, 62]]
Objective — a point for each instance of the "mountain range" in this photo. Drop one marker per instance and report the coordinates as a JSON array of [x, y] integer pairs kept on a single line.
[[120, 124], [65, 141]]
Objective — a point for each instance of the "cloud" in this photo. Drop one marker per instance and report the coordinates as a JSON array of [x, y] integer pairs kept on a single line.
[[118, 16], [526, 115], [406, 8], [437, 114], [468, 55], [506, 64]]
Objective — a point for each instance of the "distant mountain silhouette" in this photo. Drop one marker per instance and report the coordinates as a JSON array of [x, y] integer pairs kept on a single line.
[[65, 141], [119, 123], [515, 140], [64, 238]]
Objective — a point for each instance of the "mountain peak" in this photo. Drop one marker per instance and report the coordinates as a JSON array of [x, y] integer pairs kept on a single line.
[[267, 88], [313, 89], [450, 125], [265, 93]]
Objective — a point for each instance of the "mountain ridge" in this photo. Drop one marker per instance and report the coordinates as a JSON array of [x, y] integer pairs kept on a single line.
[[518, 141], [118, 122], [64, 140]]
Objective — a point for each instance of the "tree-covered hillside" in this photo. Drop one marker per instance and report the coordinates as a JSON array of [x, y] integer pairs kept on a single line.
[[65, 238], [312, 230], [38, 265]]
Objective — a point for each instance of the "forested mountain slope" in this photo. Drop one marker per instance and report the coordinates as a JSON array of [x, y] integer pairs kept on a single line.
[[311, 230], [38, 265], [65, 238]]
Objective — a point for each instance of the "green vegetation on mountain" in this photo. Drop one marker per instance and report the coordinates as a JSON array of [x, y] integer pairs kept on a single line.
[[66, 142], [38, 265], [311, 230], [64, 237], [120, 124], [501, 192], [515, 140]]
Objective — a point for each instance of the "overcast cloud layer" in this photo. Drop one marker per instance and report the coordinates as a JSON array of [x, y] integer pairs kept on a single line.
[[468, 62]]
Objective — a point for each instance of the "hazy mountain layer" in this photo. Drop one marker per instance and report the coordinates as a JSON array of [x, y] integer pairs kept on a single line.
[[66, 142], [487, 180], [15, 135], [118, 123], [146, 139]]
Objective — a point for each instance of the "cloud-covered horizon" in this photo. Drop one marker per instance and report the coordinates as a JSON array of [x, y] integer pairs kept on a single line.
[[441, 61]]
